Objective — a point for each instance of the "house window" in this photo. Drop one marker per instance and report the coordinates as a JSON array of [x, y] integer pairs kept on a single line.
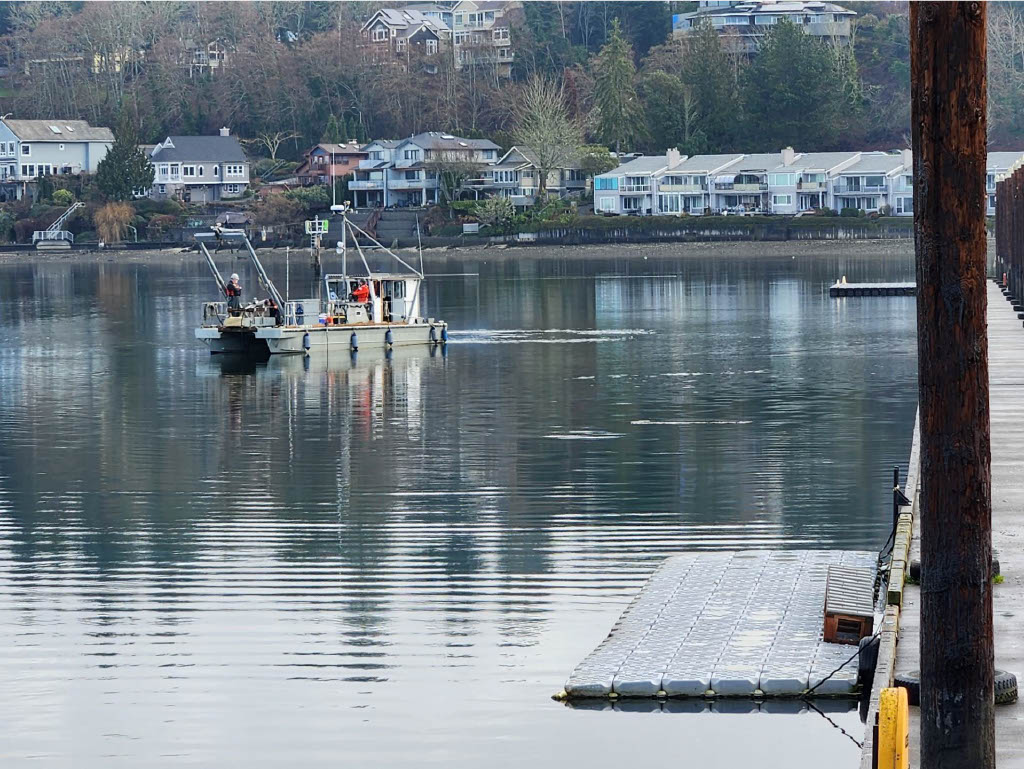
[[200, 170], [380, 34], [44, 169], [412, 176], [458, 19], [906, 205], [216, 170], [26, 150], [376, 155], [501, 33], [576, 175], [431, 47], [461, 37], [11, 150], [28, 170], [782, 180], [669, 204], [874, 181], [631, 204], [782, 200], [174, 170], [400, 44], [607, 204], [231, 188], [412, 155], [188, 171], [503, 53], [163, 189], [162, 170], [606, 183], [234, 170], [61, 147]]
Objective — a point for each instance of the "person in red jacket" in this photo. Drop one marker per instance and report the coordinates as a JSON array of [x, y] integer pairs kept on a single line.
[[362, 292]]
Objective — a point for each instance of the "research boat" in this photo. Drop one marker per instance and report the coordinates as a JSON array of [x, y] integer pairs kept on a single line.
[[369, 309]]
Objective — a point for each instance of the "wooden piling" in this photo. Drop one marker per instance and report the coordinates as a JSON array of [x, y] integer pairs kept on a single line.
[[948, 82]]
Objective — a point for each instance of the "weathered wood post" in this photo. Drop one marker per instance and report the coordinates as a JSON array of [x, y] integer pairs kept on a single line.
[[948, 81]]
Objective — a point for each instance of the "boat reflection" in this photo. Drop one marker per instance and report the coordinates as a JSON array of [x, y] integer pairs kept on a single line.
[[317, 361]]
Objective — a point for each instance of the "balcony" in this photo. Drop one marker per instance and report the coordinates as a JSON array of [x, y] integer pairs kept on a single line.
[[863, 189], [733, 187], [411, 184], [366, 184], [635, 188], [810, 186], [695, 189]]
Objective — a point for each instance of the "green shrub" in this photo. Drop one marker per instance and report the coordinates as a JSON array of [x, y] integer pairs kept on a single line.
[[851, 213], [63, 197]]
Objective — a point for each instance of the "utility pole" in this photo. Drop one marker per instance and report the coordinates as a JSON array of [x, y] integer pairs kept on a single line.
[[948, 104]]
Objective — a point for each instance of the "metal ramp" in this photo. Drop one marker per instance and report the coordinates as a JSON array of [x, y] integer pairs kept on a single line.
[[55, 236]]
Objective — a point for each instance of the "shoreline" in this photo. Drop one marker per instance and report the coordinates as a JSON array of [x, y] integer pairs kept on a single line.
[[661, 250]]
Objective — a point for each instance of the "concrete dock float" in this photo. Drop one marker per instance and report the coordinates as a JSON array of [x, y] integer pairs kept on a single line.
[[872, 289], [1006, 408], [725, 624]]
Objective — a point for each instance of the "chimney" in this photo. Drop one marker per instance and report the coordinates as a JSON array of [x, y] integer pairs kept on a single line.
[[225, 131], [673, 157], [908, 158], [788, 156]]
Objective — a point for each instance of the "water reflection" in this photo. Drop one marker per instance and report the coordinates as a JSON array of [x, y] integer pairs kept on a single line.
[[400, 558]]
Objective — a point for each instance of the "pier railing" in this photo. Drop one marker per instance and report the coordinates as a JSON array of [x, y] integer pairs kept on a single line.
[[1010, 234]]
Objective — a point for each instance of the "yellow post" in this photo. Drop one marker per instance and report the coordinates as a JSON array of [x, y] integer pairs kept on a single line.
[[893, 729]]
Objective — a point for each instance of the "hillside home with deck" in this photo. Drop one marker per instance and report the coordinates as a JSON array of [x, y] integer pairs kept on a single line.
[[404, 33], [199, 169], [516, 176], [33, 148], [875, 180], [800, 182], [327, 161]]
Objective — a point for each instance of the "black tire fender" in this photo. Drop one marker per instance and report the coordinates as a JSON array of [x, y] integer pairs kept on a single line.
[[1005, 688]]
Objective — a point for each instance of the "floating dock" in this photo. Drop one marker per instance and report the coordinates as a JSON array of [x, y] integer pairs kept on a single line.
[[872, 289], [725, 624]]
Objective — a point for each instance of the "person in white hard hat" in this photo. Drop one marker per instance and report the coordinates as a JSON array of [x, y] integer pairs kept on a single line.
[[233, 290]]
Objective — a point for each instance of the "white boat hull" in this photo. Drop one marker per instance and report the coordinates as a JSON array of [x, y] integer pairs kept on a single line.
[[231, 340], [292, 339]]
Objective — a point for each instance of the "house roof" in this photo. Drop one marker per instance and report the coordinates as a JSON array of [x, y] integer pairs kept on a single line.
[[338, 149], [705, 163], [433, 140], [219, 149], [816, 161], [874, 163], [406, 18], [67, 131], [526, 157], [1001, 160], [387, 144], [647, 164]]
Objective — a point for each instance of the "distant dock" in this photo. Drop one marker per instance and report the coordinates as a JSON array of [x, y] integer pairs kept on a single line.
[[841, 288], [725, 624]]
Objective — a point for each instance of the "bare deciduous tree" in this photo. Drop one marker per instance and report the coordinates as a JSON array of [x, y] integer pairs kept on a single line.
[[545, 129]]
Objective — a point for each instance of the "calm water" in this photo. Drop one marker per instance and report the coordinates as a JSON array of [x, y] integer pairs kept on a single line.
[[398, 562]]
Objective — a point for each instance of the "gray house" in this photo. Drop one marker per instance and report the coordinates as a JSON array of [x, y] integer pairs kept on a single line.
[[199, 169], [33, 148]]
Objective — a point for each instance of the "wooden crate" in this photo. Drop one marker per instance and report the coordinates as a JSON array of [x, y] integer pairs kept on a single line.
[[849, 604]]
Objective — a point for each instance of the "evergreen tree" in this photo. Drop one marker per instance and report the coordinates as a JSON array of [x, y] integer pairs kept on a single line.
[[791, 94], [332, 132], [672, 119], [125, 167], [620, 119], [707, 73]]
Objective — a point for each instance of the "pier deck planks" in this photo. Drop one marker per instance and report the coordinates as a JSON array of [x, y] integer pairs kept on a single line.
[[872, 289], [732, 623]]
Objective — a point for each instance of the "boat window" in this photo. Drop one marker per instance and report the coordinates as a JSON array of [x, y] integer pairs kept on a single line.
[[399, 289]]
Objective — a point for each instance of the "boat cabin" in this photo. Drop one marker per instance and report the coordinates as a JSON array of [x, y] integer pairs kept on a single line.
[[393, 298]]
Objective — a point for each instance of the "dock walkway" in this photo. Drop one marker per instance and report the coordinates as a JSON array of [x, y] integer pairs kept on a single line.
[[872, 289], [725, 624], [1006, 407]]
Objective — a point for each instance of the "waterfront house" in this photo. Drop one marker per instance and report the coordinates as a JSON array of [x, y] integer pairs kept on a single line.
[[875, 180], [516, 176], [403, 34], [801, 180], [405, 172], [743, 185], [199, 169], [632, 187], [742, 25], [685, 188], [327, 161], [33, 148], [998, 167]]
